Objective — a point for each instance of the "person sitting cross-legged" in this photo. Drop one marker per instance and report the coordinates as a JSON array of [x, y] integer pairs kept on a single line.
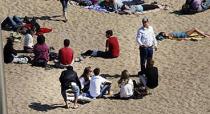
[[65, 55], [99, 86]]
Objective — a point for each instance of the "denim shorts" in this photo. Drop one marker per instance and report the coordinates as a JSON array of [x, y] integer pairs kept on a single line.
[[75, 89], [179, 34]]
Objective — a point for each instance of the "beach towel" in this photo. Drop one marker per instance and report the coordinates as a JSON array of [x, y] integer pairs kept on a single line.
[[96, 8], [43, 30]]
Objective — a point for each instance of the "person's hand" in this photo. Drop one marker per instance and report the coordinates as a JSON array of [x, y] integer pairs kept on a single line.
[[142, 45]]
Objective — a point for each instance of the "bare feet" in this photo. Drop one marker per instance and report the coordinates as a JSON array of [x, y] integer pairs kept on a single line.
[[75, 106]]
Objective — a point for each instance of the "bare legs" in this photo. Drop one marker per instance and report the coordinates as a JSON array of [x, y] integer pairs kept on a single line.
[[195, 30]]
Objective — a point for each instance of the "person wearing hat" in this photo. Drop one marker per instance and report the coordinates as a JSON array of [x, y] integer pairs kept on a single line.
[[147, 41], [10, 54]]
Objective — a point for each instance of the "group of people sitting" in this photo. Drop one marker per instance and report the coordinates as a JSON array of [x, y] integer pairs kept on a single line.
[[120, 6], [63, 58], [95, 86]]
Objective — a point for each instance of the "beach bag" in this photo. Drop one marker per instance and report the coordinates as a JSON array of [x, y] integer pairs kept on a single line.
[[53, 56], [152, 77], [139, 90]]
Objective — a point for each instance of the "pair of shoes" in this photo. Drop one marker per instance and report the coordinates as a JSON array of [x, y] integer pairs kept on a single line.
[[65, 20]]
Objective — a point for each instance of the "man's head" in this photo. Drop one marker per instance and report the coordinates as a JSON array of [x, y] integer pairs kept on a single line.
[[69, 67], [109, 33], [145, 22], [40, 39], [96, 71], [66, 42]]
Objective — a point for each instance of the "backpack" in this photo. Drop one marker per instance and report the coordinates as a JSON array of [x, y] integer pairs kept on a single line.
[[186, 8]]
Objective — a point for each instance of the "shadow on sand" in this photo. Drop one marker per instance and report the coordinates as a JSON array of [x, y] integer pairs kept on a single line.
[[44, 107]]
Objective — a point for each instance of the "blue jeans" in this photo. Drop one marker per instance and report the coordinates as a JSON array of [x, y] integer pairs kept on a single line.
[[64, 4], [75, 89], [146, 54], [12, 22], [104, 89], [206, 5]]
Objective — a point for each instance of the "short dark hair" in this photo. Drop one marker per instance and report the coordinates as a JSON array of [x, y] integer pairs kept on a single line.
[[69, 67], [40, 39], [109, 32], [96, 71], [66, 42]]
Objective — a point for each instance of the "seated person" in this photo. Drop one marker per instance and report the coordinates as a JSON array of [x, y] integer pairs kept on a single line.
[[10, 54], [11, 23], [194, 6], [65, 56], [126, 85], [180, 35], [28, 41], [41, 52], [150, 78], [98, 85], [112, 48], [108, 5], [70, 80], [85, 79]]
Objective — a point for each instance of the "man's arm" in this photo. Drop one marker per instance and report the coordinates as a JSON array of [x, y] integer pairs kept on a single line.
[[138, 38], [154, 40], [107, 46]]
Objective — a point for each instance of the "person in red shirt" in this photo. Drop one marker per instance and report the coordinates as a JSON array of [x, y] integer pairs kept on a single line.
[[112, 48], [112, 45], [66, 54]]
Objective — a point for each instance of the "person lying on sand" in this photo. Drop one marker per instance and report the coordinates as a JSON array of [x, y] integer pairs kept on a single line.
[[181, 35]]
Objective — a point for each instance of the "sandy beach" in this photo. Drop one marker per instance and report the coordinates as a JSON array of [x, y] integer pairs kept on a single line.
[[184, 66]]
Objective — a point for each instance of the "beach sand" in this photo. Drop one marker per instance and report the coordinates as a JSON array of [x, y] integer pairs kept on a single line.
[[184, 66]]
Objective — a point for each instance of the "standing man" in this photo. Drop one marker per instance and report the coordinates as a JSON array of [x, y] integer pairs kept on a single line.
[[64, 5], [147, 41]]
